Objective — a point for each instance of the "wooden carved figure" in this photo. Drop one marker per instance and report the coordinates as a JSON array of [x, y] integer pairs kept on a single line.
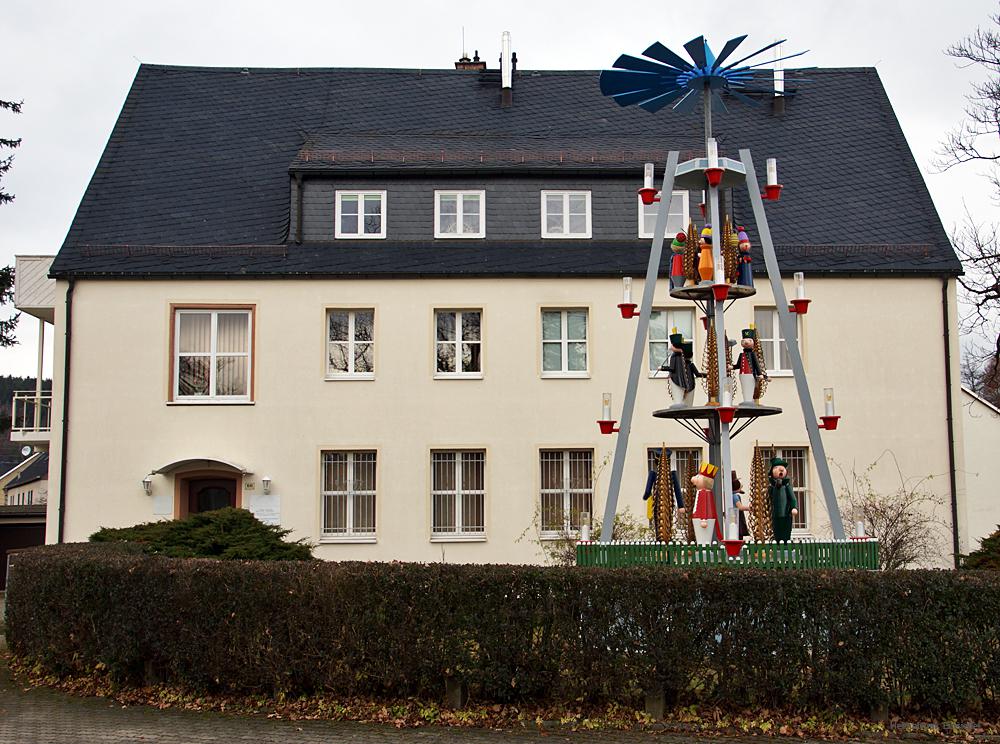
[[677, 273], [760, 507], [689, 494], [704, 516], [744, 275], [706, 264], [741, 506], [782, 498], [750, 368]]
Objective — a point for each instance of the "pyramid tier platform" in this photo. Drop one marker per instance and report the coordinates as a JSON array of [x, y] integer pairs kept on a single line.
[[704, 292], [709, 412]]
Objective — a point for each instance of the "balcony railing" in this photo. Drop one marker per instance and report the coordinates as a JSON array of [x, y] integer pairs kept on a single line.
[[31, 412]]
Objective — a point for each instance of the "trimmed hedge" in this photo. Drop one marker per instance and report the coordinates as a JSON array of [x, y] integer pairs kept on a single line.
[[917, 640]]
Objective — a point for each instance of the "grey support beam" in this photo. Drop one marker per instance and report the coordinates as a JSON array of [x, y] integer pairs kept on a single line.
[[638, 349], [788, 331]]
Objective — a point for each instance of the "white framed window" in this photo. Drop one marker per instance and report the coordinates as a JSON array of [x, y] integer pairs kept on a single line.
[[661, 322], [565, 214], [564, 343], [212, 350], [776, 359], [348, 496], [798, 472], [567, 492], [458, 495], [350, 344], [458, 343], [677, 217], [459, 214], [360, 214]]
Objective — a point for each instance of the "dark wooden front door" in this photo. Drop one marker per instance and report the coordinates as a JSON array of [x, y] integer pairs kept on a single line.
[[206, 494]]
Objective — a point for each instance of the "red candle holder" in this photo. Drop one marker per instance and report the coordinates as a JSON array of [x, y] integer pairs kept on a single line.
[[704, 322], [772, 192], [799, 306], [727, 414], [714, 176], [628, 309], [830, 423], [608, 427], [648, 195], [733, 547], [720, 291]]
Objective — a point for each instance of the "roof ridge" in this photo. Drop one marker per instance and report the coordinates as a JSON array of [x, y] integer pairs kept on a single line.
[[428, 70]]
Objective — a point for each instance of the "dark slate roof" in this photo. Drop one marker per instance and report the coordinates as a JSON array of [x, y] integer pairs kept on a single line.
[[38, 470], [195, 177]]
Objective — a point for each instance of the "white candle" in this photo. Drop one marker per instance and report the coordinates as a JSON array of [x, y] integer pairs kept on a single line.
[[606, 407], [828, 400], [859, 528], [772, 171], [713, 153], [647, 176], [626, 289], [727, 398], [585, 526], [800, 285], [720, 274], [732, 531]]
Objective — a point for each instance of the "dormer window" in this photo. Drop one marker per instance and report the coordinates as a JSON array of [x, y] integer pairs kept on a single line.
[[677, 216], [459, 214], [565, 214], [360, 214]]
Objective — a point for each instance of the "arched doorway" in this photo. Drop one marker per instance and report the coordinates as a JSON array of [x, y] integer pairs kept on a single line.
[[208, 494], [202, 484]]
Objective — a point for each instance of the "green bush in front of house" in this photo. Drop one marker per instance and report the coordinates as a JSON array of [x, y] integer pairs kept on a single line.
[[987, 555], [805, 640], [230, 534]]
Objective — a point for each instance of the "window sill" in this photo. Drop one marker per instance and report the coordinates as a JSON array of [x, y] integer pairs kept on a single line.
[[565, 375], [458, 376], [577, 236], [210, 402], [459, 236], [551, 536], [361, 236], [458, 537], [349, 539], [780, 373], [334, 378]]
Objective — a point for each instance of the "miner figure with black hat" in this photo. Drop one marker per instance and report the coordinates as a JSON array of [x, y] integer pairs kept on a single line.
[[751, 370], [783, 503], [682, 370]]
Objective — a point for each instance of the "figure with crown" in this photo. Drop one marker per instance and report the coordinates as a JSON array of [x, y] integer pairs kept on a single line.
[[704, 516]]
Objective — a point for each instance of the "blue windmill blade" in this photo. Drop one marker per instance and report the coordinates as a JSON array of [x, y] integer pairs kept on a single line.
[[649, 95], [743, 98], [637, 64], [616, 82], [754, 54], [652, 105], [717, 100], [696, 48], [728, 49], [688, 102], [657, 51], [772, 61]]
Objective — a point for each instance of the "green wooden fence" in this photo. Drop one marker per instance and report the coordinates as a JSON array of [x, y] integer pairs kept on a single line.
[[796, 554]]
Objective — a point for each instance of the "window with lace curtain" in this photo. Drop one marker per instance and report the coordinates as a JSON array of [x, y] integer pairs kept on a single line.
[[212, 355]]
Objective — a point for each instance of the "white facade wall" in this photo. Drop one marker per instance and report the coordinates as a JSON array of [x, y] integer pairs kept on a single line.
[[981, 423], [868, 338]]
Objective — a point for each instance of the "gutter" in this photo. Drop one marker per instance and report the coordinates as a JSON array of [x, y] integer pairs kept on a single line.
[[65, 418], [950, 419]]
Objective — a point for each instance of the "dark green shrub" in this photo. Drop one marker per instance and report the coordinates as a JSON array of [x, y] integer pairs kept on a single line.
[[233, 534], [924, 641], [988, 554]]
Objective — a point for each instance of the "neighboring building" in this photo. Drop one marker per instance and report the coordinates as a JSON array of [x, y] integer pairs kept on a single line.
[[22, 512], [981, 422], [379, 306]]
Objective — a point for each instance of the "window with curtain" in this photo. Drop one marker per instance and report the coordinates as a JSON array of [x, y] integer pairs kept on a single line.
[[565, 214], [350, 351], [772, 342], [567, 493], [458, 493], [348, 495], [798, 472], [459, 214], [360, 214], [212, 355], [564, 343], [661, 322], [677, 217]]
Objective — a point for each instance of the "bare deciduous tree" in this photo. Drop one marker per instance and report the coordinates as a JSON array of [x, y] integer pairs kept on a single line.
[[904, 519]]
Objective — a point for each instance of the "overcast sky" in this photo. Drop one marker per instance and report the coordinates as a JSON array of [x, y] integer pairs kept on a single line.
[[72, 64]]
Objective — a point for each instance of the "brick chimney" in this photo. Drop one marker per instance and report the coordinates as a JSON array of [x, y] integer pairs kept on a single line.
[[464, 63]]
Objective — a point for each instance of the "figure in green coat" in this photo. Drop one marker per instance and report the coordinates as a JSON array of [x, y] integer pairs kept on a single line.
[[783, 503]]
